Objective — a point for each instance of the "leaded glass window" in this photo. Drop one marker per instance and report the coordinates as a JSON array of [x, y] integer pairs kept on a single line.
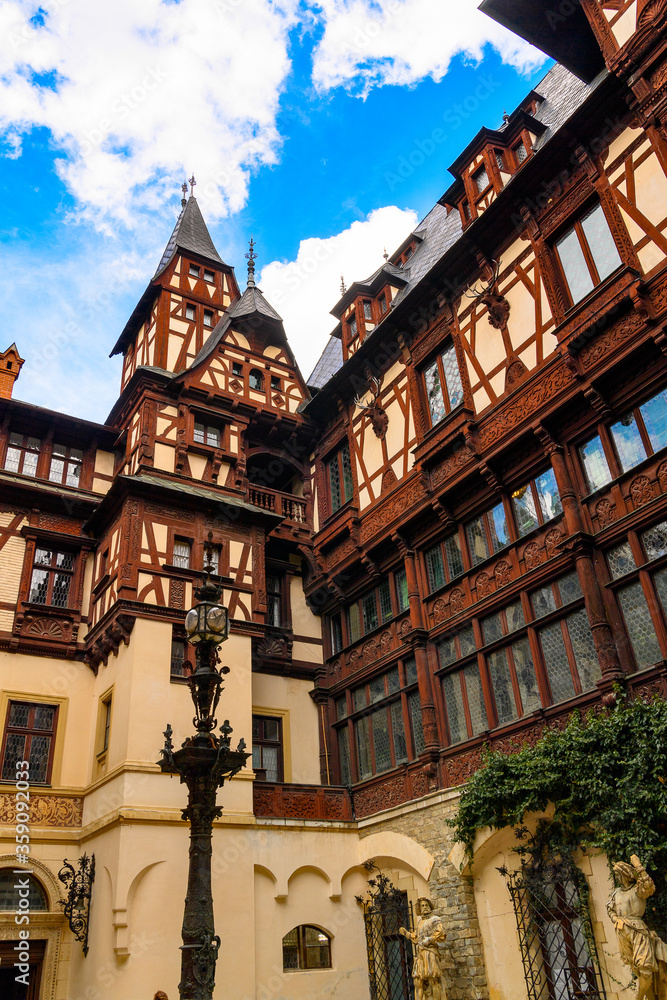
[[587, 253], [29, 735], [630, 447], [638, 622], [655, 540], [536, 503], [444, 562], [51, 577], [596, 467], [267, 748], [487, 534], [66, 465], [340, 478], [444, 390], [22, 454], [620, 560]]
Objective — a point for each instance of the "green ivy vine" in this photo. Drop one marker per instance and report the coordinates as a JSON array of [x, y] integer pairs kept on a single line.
[[605, 775]]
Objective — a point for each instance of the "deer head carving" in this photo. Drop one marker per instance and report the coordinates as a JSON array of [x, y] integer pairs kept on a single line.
[[376, 414], [497, 305]]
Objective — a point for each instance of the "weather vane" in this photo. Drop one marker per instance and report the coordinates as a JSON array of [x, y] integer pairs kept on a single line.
[[192, 183], [184, 189], [251, 257], [343, 289]]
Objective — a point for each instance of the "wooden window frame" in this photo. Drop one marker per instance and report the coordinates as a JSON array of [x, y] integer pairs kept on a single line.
[[279, 743], [203, 421], [441, 546], [194, 270], [210, 313], [577, 228], [254, 373], [437, 358], [358, 603], [29, 732], [190, 306], [484, 516], [531, 485], [24, 450], [67, 460], [302, 949], [208, 272], [54, 570], [336, 456], [183, 540]]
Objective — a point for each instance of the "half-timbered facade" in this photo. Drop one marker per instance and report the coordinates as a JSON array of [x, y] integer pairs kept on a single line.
[[451, 536]]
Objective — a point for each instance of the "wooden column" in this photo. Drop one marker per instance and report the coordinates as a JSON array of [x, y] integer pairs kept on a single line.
[[418, 638], [581, 544]]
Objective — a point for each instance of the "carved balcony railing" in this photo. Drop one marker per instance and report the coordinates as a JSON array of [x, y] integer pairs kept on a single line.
[[318, 802], [290, 507]]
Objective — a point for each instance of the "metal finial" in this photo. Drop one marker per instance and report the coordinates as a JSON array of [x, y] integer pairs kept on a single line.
[[385, 255], [184, 189], [343, 289], [208, 558], [506, 117], [251, 257], [192, 183]]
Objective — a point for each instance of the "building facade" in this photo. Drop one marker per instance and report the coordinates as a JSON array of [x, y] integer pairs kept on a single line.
[[451, 536]]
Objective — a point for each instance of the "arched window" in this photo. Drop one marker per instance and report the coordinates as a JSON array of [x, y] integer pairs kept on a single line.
[[306, 947], [9, 891], [256, 379]]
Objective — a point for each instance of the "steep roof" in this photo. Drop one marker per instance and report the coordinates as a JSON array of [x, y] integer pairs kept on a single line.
[[251, 303], [190, 233]]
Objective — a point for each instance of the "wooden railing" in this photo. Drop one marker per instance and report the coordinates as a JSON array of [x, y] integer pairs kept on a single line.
[[282, 800], [290, 507]]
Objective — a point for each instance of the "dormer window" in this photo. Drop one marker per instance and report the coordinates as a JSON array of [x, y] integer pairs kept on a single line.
[[194, 271], [367, 310], [382, 303], [481, 179], [520, 151], [209, 276], [256, 379], [352, 326], [191, 312], [499, 159], [206, 434]]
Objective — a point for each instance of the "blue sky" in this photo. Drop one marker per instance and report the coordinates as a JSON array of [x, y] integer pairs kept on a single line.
[[310, 125]]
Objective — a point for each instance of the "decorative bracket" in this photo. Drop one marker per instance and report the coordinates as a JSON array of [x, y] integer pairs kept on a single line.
[[79, 884]]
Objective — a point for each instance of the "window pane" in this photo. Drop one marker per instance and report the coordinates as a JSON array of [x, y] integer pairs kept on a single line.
[[492, 628], [363, 749], [393, 684], [435, 568], [524, 509], [475, 699], [376, 689], [447, 651], [354, 620], [12, 460], [182, 554], [199, 433], [44, 716], [359, 699], [467, 641], [515, 616], [39, 757], [336, 633], [344, 754], [660, 581], [543, 601], [213, 436], [334, 484], [14, 751], [600, 242], [411, 671], [452, 377], [595, 464], [39, 586], [385, 601], [451, 686], [380, 725], [177, 668], [341, 707], [29, 464], [638, 623], [502, 687], [585, 656], [629, 445], [291, 950], [65, 560], [481, 179], [436, 402], [414, 706], [369, 611], [73, 474], [347, 472], [479, 550], [270, 763], [525, 675], [620, 560], [454, 557], [498, 526], [402, 589], [654, 412], [557, 663], [576, 271], [569, 587], [548, 494], [655, 540], [400, 749], [56, 470], [61, 590]]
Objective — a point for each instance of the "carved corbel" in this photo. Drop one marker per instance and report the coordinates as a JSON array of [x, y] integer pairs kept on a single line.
[[490, 477], [549, 444], [598, 402]]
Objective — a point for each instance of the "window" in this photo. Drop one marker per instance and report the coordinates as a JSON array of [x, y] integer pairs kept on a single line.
[[180, 666], [567, 644], [267, 748], [29, 735], [194, 270], [587, 254], [214, 559], [481, 179], [209, 275], [104, 725], [444, 562], [499, 159], [371, 610], [444, 391], [37, 899], [520, 151], [65, 465], [206, 434], [51, 578], [368, 314], [379, 711], [182, 549], [191, 312], [339, 474], [256, 379], [638, 624], [237, 369], [274, 600], [208, 317], [276, 383], [487, 534], [336, 632], [594, 461], [22, 454], [352, 326], [401, 581], [382, 303], [306, 947], [462, 690], [641, 432], [536, 503]]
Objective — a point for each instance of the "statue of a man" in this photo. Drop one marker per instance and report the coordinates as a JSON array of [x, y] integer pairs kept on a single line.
[[640, 948], [426, 968]]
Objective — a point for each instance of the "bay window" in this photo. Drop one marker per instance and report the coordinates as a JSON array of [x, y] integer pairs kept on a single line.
[[487, 534]]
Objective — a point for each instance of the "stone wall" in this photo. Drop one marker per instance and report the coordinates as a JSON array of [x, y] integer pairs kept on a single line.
[[464, 970]]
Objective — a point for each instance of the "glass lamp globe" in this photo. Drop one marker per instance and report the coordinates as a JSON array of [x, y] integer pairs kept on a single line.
[[207, 623]]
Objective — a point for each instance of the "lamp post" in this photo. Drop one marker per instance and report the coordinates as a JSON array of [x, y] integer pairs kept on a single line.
[[203, 762]]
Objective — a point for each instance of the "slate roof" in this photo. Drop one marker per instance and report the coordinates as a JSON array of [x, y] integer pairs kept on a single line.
[[200, 491], [562, 94], [190, 233], [251, 303]]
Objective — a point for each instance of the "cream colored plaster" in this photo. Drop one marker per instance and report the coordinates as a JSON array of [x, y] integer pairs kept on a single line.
[[621, 143], [489, 347], [307, 651], [651, 189], [197, 465], [179, 326], [480, 399], [626, 25], [549, 343], [258, 397], [165, 457], [304, 622], [11, 566], [87, 587], [650, 256], [372, 451], [634, 229], [101, 486], [272, 352], [143, 580], [521, 323], [395, 435], [529, 356], [223, 472], [174, 345], [497, 382], [240, 340], [104, 462], [364, 498], [160, 533]]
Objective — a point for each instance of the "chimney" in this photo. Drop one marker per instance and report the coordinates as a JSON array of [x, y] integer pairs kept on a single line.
[[11, 363]]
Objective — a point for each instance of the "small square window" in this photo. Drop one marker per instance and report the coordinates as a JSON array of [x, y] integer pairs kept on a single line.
[[367, 310], [191, 312], [194, 270], [237, 368], [276, 383], [209, 276], [181, 554], [208, 317]]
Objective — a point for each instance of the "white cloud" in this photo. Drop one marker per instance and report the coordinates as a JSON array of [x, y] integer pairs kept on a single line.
[[303, 290], [136, 94], [367, 43]]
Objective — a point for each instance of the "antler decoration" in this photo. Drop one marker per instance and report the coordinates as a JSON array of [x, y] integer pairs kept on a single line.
[[378, 418], [497, 305]]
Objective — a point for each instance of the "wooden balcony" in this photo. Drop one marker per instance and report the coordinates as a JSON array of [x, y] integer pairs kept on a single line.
[[316, 802], [290, 507]]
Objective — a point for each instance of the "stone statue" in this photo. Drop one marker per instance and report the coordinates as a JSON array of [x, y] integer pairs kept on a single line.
[[426, 968], [640, 948]]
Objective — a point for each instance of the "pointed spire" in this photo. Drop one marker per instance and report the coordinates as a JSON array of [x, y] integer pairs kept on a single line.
[[251, 257], [343, 287], [190, 233], [184, 189]]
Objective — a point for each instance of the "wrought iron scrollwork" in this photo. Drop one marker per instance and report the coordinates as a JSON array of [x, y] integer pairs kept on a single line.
[[390, 955], [79, 884]]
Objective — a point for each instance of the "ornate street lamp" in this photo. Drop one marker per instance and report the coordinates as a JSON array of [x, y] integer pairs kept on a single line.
[[203, 762]]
